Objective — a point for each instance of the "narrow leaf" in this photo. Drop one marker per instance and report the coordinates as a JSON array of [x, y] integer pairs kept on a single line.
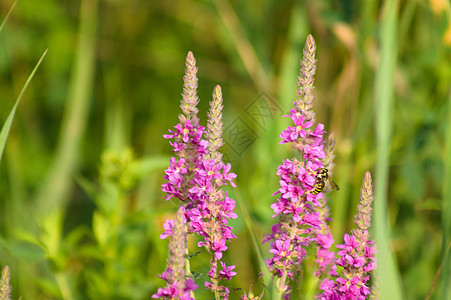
[[7, 15], [7, 126], [387, 275]]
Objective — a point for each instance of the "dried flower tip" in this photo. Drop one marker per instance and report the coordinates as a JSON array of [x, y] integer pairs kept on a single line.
[[364, 210], [366, 196], [215, 125], [330, 142], [306, 79], [5, 288], [189, 95], [310, 45]]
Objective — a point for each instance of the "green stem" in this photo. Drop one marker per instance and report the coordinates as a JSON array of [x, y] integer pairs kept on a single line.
[[63, 285], [187, 265]]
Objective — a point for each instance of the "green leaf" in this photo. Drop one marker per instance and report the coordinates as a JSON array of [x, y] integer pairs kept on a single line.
[[48, 286], [148, 165], [26, 236], [76, 235], [87, 186], [91, 251], [100, 227], [24, 251], [51, 232]]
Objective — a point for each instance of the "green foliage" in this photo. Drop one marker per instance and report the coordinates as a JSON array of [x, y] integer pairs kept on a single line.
[[81, 213]]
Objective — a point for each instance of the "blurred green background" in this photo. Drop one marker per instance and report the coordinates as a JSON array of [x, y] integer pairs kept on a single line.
[[81, 208]]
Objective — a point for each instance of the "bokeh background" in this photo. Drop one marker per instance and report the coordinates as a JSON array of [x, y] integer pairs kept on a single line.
[[81, 208]]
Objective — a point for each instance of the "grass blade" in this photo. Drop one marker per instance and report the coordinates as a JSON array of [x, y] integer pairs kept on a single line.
[[245, 49], [56, 189], [267, 277], [446, 212], [7, 126], [7, 15], [387, 273]]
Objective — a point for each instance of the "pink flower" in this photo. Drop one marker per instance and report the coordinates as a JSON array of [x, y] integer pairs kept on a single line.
[[227, 272], [168, 225], [293, 133], [281, 249], [228, 176]]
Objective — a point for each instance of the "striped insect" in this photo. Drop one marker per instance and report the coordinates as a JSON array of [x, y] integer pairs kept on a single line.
[[322, 177]]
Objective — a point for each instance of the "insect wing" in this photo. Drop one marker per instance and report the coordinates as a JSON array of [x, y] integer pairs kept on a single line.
[[333, 185]]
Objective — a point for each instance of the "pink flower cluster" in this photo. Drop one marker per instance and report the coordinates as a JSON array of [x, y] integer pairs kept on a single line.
[[207, 208], [196, 178], [356, 257], [189, 146], [301, 206], [173, 291], [357, 261], [178, 285], [197, 174], [297, 207]]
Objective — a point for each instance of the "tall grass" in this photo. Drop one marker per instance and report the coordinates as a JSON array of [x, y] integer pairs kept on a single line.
[[387, 273], [446, 213], [58, 185]]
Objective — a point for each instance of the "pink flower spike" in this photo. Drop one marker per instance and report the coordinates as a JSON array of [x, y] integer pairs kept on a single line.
[[195, 176]]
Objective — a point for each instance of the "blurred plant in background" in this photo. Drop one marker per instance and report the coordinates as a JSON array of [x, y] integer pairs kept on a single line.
[[113, 67], [5, 287]]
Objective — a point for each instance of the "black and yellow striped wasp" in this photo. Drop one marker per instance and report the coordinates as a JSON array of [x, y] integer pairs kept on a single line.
[[322, 177]]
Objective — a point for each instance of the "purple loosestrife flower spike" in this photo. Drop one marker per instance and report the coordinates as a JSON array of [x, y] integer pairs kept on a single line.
[[213, 207], [196, 178], [5, 287], [357, 254], [178, 286], [324, 256], [188, 143], [302, 212]]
